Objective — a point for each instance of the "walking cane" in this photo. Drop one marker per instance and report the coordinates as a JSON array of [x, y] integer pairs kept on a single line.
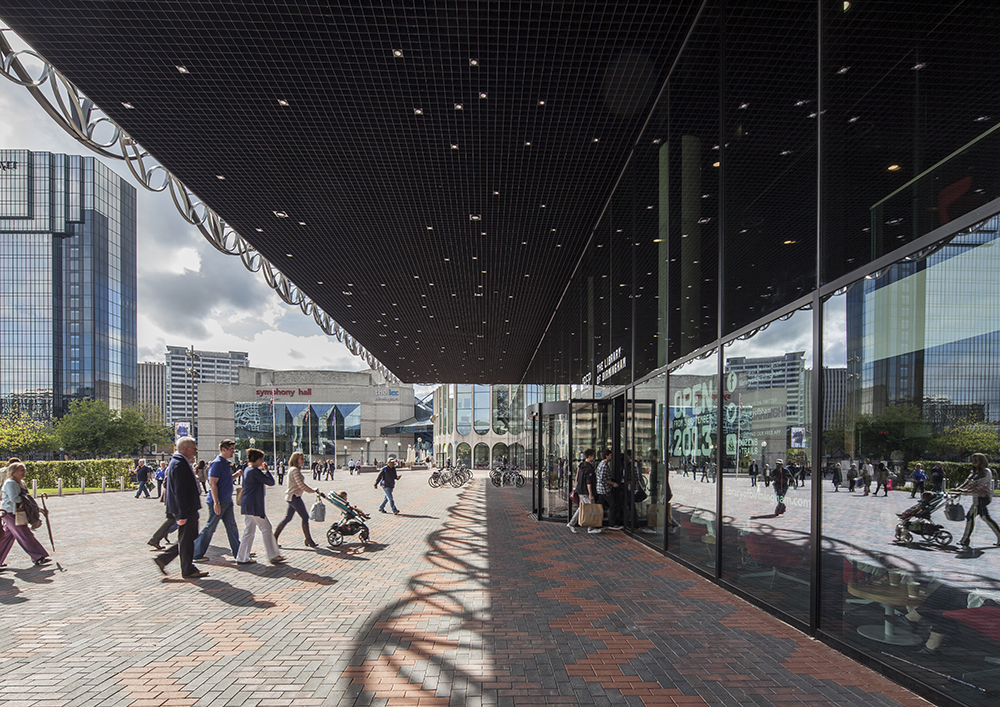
[[48, 525]]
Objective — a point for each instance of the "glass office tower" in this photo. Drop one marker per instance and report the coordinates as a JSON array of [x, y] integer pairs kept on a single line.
[[67, 284]]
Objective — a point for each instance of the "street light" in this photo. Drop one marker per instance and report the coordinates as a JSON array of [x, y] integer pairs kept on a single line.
[[190, 370], [386, 457], [763, 448], [368, 450], [398, 446]]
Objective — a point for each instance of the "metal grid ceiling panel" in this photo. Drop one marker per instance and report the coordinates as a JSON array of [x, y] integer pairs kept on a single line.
[[440, 164]]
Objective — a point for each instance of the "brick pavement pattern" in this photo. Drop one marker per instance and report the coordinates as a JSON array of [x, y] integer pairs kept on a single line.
[[460, 600]]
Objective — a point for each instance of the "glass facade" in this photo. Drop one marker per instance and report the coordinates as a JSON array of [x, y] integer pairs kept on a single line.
[[313, 428], [67, 282], [795, 275]]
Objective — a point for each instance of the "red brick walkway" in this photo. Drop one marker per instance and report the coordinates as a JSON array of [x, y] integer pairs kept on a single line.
[[461, 600]]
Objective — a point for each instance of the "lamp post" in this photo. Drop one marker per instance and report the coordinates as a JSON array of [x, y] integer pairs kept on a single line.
[[191, 371], [368, 450], [398, 447], [763, 448], [386, 457], [345, 455]]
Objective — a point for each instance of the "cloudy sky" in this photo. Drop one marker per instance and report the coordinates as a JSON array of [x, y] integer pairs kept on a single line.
[[189, 293]]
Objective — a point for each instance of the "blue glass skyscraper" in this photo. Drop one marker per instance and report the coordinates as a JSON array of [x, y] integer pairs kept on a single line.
[[67, 284]]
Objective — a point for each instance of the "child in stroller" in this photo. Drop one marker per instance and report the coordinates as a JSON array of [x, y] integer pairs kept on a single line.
[[916, 520], [352, 524]]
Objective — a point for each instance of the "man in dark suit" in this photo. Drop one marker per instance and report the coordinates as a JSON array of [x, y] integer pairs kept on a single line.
[[183, 502]]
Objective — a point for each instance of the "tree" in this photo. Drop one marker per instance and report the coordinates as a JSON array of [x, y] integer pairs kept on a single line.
[[970, 435], [21, 435], [898, 428], [86, 429]]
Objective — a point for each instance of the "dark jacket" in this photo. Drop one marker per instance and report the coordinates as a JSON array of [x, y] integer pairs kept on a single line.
[[254, 481], [183, 495], [142, 474], [585, 474], [387, 477]]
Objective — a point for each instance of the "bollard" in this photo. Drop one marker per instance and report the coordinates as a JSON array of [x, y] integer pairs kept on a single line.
[[34, 487], [104, 484], [59, 486], [83, 485], [121, 480]]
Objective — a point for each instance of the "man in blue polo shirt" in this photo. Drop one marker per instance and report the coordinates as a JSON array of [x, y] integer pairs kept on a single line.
[[220, 502]]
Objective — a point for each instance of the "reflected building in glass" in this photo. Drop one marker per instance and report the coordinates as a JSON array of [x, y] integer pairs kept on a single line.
[[67, 284]]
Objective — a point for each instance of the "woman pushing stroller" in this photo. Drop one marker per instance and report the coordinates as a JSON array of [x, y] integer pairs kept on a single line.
[[979, 485], [296, 487]]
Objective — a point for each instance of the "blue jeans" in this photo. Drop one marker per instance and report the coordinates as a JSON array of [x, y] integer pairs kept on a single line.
[[228, 519], [143, 488], [388, 499]]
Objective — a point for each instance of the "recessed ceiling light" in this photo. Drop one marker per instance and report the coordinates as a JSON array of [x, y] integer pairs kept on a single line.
[[183, 69], [473, 62], [543, 206], [786, 152], [259, 230], [475, 217], [656, 141], [553, 230], [127, 104], [558, 245], [482, 95], [280, 214], [454, 147], [527, 144], [854, 119], [430, 228], [843, 69], [894, 168], [918, 66], [744, 106], [981, 118], [220, 176], [288, 255], [398, 53], [282, 102], [302, 223], [319, 282], [447, 260], [496, 193], [596, 139], [790, 242], [416, 277], [459, 106], [418, 111], [541, 103]]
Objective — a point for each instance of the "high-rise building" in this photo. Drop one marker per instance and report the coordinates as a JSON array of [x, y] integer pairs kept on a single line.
[[153, 386], [67, 283], [185, 371]]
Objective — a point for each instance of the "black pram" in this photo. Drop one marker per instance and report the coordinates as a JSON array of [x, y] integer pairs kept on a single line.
[[352, 524], [916, 520]]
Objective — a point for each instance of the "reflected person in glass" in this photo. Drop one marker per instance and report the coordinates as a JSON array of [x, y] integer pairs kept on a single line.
[[979, 485]]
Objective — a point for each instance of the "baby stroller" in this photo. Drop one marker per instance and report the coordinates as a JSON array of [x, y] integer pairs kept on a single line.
[[916, 520], [352, 524]]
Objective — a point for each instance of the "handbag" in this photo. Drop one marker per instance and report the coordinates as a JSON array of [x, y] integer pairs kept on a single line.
[[954, 510], [318, 511], [239, 495], [574, 497], [591, 515], [640, 495]]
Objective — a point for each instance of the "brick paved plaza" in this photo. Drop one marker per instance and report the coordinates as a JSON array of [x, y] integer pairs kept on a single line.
[[460, 600]]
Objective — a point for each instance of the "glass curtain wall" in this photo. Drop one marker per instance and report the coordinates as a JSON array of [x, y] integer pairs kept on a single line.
[[767, 459], [915, 392], [692, 437]]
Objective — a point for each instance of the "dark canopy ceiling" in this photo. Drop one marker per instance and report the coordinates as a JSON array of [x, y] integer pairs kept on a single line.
[[441, 164]]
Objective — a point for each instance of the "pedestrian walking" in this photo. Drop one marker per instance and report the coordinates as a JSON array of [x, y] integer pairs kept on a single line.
[[781, 480], [350, 467], [142, 473], [161, 475], [852, 477], [836, 478], [281, 472], [979, 484], [867, 471], [586, 486], [183, 502], [201, 471], [387, 479], [15, 523], [256, 478], [220, 502], [753, 471], [882, 478], [919, 478], [293, 496], [169, 523]]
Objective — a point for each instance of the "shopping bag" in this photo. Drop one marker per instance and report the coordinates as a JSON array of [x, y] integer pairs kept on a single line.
[[654, 514], [239, 495], [954, 510], [591, 515], [318, 512]]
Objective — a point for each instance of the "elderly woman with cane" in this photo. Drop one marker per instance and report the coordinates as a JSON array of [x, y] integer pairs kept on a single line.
[[14, 519]]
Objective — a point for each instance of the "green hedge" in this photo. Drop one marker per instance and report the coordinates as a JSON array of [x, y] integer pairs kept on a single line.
[[72, 471]]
